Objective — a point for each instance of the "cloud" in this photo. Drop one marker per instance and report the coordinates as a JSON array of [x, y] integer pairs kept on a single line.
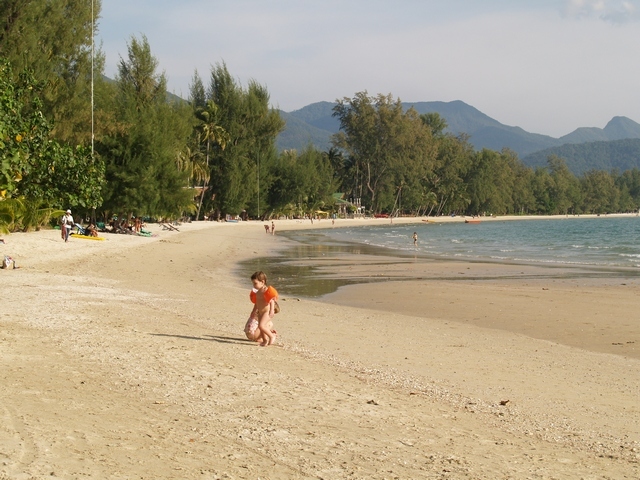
[[548, 66], [616, 12]]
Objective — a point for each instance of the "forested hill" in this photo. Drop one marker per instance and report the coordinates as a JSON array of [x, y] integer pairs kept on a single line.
[[315, 124], [580, 158]]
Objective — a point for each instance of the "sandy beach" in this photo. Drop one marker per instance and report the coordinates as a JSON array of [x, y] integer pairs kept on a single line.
[[125, 358]]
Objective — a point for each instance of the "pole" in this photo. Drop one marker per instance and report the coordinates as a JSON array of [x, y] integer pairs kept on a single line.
[[92, 55], [258, 185], [93, 210]]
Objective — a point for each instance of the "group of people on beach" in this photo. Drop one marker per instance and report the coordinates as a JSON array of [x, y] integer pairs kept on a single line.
[[125, 226]]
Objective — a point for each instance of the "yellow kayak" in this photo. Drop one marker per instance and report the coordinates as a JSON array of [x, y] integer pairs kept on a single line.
[[85, 237]]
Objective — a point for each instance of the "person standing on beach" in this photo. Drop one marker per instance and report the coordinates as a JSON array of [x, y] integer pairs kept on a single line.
[[66, 224], [273, 228], [264, 299], [415, 239]]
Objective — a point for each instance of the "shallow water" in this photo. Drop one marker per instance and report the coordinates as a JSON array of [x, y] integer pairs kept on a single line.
[[321, 261], [602, 241]]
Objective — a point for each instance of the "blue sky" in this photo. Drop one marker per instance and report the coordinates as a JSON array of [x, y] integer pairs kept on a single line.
[[548, 66]]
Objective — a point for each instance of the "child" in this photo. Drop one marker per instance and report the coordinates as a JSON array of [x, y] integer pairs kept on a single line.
[[264, 298]]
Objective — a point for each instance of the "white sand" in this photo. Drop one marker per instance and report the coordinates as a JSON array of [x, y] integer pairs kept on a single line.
[[125, 359]]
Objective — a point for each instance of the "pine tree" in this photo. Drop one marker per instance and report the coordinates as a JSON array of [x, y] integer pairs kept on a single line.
[[252, 127], [142, 156]]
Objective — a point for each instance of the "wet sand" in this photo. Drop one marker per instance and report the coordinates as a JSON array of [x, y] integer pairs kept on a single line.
[[579, 306], [594, 315], [126, 359]]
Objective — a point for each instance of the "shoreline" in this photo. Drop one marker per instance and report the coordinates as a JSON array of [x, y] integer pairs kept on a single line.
[[126, 358], [326, 252], [363, 276]]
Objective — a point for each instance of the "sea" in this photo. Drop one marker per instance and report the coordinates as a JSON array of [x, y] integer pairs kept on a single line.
[[598, 245], [600, 241]]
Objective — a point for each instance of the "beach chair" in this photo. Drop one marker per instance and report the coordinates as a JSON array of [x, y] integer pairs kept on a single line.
[[80, 230], [168, 226]]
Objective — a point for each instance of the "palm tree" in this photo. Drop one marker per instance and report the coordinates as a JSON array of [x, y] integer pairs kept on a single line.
[[211, 132], [8, 213], [336, 159], [193, 162], [23, 214]]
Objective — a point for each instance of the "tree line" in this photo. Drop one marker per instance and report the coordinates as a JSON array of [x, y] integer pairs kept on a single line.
[[214, 154], [397, 160]]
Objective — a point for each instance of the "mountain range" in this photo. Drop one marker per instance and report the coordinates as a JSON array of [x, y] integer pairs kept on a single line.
[[314, 124]]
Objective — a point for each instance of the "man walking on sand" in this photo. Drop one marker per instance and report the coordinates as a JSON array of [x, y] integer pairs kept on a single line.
[[66, 224]]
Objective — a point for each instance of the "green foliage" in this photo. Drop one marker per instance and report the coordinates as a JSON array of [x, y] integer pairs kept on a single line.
[[565, 190], [446, 189], [8, 214], [490, 182], [20, 214], [61, 175], [23, 129], [522, 196], [197, 93], [142, 159], [34, 166], [435, 122], [209, 134], [600, 196], [388, 148], [52, 39], [251, 126], [303, 183], [139, 84]]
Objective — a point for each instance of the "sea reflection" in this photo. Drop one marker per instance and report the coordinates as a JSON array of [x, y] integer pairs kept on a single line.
[[315, 265]]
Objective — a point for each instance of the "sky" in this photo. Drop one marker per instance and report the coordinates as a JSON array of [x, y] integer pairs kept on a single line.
[[548, 66]]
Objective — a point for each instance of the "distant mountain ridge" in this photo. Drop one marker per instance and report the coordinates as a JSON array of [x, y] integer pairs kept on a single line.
[[621, 154], [314, 124]]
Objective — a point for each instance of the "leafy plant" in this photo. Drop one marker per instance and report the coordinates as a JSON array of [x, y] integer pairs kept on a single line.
[[7, 215], [21, 214]]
